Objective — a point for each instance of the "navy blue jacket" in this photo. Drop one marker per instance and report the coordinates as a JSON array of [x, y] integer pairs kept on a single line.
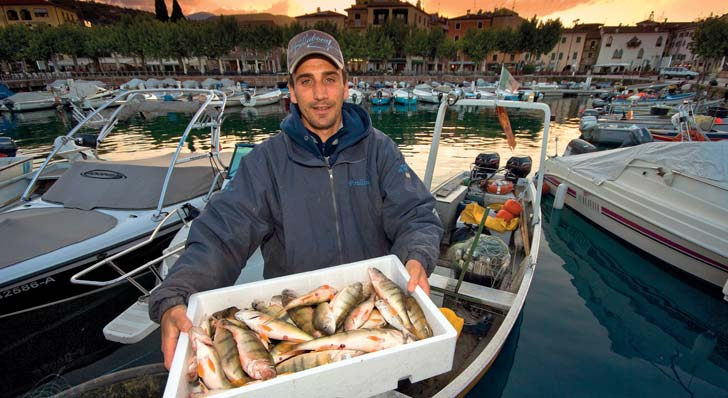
[[308, 211]]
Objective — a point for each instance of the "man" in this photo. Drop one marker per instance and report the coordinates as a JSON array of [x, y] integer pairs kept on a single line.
[[328, 190]]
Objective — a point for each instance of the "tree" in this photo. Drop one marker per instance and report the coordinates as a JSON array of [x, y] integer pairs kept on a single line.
[[70, 38], [177, 14], [434, 40], [549, 34], [416, 45], [328, 27], [353, 46], [476, 44], [448, 50], [528, 36], [710, 40], [160, 9], [14, 42], [380, 45], [506, 41], [44, 45]]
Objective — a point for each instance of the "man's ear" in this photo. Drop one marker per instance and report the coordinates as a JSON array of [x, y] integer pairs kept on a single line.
[[292, 94]]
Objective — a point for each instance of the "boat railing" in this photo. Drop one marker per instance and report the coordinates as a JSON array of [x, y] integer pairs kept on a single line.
[[180, 212], [132, 98]]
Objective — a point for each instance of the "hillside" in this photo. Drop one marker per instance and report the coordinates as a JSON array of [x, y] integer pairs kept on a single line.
[[99, 13], [246, 19]]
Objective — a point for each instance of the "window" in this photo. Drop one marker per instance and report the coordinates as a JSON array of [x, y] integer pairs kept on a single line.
[[457, 26], [495, 58], [617, 54], [513, 57], [573, 56], [590, 55], [563, 40], [25, 15], [357, 16], [578, 39], [553, 56], [609, 41], [593, 45], [480, 25], [640, 53], [12, 15], [561, 56], [40, 12], [659, 41], [457, 37]]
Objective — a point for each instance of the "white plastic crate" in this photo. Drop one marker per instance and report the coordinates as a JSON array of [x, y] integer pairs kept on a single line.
[[362, 376]]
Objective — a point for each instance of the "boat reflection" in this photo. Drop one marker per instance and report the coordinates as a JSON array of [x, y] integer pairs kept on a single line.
[[649, 311]]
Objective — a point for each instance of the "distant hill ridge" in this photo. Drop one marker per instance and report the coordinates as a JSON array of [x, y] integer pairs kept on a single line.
[[279, 20], [99, 13]]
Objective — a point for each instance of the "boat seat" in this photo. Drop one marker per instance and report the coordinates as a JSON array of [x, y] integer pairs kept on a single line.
[[33, 232], [496, 298], [130, 185]]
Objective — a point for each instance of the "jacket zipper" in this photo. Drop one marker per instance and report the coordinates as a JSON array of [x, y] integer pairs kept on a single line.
[[336, 210]]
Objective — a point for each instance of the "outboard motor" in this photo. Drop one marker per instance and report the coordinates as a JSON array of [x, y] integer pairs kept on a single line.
[[485, 164], [578, 146], [87, 140], [8, 147], [637, 135], [518, 167], [588, 123]]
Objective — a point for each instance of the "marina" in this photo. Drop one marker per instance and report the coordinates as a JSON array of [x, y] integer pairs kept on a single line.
[[466, 133]]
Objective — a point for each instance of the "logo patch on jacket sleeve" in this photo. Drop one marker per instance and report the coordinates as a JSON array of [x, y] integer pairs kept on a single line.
[[404, 169]]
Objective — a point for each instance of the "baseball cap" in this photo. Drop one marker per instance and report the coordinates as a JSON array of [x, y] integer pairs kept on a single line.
[[313, 42]]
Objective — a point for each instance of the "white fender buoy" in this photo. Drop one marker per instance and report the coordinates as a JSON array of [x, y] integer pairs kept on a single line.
[[560, 196]]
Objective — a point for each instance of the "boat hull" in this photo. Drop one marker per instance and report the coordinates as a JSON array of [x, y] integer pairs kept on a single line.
[[53, 326], [643, 234]]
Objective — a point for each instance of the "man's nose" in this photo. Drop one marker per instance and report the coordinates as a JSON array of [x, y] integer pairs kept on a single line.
[[319, 91]]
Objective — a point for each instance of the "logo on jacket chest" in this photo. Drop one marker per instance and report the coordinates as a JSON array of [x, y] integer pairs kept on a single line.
[[361, 182]]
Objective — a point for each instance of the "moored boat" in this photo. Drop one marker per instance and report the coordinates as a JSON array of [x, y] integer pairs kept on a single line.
[[95, 210], [668, 199]]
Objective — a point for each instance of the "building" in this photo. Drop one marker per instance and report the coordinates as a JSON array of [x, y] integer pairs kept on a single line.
[[35, 12], [631, 48], [500, 18], [366, 13], [566, 55], [323, 16], [456, 27], [678, 47]]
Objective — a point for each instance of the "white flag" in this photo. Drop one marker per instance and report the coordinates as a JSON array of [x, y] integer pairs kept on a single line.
[[507, 82]]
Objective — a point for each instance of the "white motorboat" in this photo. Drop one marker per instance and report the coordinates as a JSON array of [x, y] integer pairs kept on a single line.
[[97, 209], [425, 93], [31, 101], [355, 96], [261, 97], [404, 97], [668, 199], [489, 295], [17, 171]]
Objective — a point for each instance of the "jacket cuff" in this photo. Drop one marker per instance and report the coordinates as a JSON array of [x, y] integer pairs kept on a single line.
[[157, 308], [422, 258]]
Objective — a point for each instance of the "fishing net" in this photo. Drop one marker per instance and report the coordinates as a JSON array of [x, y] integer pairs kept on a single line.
[[489, 263]]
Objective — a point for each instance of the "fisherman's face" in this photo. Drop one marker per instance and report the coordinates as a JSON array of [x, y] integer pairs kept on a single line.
[[319, 90]]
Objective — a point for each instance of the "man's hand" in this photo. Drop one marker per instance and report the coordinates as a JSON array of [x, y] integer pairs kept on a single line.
[[418, 276], [174, 321]]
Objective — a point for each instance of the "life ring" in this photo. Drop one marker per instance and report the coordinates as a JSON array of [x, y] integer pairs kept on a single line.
[[500, 187]]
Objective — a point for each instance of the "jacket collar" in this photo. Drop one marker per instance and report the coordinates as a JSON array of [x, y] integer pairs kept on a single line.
[[302, 144]]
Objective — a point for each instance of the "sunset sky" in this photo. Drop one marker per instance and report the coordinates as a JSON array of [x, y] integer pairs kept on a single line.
[[610, 12]]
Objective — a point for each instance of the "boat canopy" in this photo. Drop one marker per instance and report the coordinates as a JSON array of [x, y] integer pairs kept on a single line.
[[26, 233], [696, 159], [129, 185]]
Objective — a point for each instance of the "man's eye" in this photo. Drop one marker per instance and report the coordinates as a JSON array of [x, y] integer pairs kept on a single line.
[[305, 82]]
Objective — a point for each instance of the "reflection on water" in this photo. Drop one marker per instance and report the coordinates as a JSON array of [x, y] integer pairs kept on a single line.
[[649, 312]]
